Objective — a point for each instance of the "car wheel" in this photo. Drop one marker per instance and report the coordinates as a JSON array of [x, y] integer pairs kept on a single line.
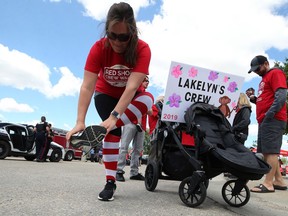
[[69, 156], [4, 149], [56, 155]]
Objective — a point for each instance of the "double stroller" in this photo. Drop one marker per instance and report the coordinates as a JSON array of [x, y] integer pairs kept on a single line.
[[198, 150]]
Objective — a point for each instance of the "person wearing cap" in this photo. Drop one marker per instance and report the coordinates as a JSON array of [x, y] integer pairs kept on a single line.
[[271, 116], [41, 129]]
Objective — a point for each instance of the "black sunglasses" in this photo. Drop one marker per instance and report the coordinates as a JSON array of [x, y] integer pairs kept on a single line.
[[120, 37], [146, 80], [258, 68]]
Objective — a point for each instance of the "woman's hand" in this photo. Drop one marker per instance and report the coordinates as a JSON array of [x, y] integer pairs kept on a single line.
[[78, 127], [109, 123]]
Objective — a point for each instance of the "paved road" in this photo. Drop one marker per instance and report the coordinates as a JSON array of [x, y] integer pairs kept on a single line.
[[71, 188]]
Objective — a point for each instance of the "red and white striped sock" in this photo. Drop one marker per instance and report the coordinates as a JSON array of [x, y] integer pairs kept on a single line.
[[138, 107], [110, 155]]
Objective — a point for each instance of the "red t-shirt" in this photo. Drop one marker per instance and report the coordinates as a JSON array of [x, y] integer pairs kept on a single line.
[[113, 72], [152, 119], [270, 82]]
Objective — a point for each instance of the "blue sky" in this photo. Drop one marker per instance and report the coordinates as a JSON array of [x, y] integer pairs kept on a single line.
[[44, 45]]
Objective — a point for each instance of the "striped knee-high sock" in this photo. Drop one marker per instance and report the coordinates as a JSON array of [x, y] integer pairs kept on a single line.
[[138, 107], [110, 155]]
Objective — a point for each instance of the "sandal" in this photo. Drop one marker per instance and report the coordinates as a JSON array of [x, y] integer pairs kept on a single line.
[[262, 188], [92, 136], [278, 187]]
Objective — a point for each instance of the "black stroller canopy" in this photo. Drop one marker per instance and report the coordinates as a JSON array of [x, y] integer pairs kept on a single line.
[[216, 137]]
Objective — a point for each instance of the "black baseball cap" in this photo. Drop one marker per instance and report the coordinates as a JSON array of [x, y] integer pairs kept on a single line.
[[256, 62]]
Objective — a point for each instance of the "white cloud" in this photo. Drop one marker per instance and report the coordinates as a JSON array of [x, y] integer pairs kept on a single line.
[[98, 9], [21, 71], [67, 85], [253, 130], [222, 35], [10, 105]]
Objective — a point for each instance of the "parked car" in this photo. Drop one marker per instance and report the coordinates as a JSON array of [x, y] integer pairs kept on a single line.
[[19, 140]]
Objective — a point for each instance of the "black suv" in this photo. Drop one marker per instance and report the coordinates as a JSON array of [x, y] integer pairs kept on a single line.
[[18, 140]]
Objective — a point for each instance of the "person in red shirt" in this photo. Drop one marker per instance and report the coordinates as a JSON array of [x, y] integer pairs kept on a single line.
[[130, 133], [154, 117], [271, 115], [115, 68]]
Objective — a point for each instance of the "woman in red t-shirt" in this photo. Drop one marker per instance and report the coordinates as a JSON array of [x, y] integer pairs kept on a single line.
[[115, 68]]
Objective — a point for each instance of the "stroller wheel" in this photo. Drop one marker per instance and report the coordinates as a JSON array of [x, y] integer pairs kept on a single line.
[[151, 176], [189, 197], [235, 198]]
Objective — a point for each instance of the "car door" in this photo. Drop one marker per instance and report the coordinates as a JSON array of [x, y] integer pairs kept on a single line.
[[15, 134]]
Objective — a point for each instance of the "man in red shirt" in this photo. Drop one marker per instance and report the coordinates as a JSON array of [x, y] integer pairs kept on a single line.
[[271, 115]]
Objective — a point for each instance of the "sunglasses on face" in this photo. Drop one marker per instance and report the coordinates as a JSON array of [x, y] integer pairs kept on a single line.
[[146, 80], [258, 69], [120, 37]]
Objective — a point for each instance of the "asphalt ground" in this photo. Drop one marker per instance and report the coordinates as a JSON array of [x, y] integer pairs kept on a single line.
[[71, 188]]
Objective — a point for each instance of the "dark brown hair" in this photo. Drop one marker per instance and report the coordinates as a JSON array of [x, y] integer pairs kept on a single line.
[[123, 12]]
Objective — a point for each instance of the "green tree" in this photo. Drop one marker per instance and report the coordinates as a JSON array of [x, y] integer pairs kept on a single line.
[[146, 144], [284, 67]]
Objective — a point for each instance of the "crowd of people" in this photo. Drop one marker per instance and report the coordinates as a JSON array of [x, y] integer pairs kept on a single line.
[[118, 64]]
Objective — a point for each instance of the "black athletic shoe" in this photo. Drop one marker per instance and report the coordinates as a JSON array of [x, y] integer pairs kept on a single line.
[[138, 177], [92, 136], [120, 177], [107, 193], [139, 127]]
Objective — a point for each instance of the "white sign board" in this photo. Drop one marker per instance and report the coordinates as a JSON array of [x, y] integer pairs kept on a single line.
[[188, 84]]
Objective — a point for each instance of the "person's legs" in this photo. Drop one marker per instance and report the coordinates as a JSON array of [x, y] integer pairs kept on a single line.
[[278, 180], [110, 155], [47, 149], [269, 144], [137, 149], [38, 146], [100, 158], [128, 134], [138, 107], [272, 160], [43, 145], [104, 105]]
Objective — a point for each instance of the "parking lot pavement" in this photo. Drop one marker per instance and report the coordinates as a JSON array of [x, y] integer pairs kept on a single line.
[[71, 188]]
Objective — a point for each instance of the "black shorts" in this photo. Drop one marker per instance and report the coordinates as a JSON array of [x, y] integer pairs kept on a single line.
[[270, 134]]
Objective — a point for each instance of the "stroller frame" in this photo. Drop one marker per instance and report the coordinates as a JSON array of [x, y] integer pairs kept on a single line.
[[194, 183]]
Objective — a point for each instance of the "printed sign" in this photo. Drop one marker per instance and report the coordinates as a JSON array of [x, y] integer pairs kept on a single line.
[[188, 84]]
